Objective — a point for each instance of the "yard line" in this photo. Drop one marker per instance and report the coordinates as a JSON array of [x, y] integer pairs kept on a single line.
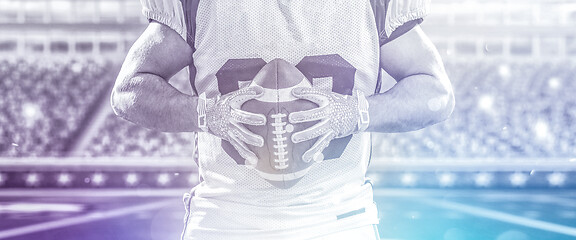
[[525, 194], [112, 193], [499, 216], [95, 216]]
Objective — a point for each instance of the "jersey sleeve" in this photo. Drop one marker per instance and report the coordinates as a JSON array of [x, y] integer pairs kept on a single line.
[[167, 12], [396, 17]]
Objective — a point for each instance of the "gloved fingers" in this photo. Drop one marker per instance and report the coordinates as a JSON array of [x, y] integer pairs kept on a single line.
[[249, 156], [311, 132], [257, 90], [248, 137], [248, 117], [315, 152], [243, 95], [312, 95], [314, 114]]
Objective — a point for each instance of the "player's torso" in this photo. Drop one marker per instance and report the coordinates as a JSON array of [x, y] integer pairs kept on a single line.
[[334, 43], [251, 32]]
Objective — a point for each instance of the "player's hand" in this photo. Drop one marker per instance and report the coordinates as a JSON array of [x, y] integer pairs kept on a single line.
[[339, 116], [225, 119]]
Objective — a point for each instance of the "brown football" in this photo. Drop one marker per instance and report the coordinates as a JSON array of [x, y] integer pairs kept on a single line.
[[280, 160]]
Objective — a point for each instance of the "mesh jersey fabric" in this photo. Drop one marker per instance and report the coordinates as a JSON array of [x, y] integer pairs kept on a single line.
[[391, 13], [232, 38]]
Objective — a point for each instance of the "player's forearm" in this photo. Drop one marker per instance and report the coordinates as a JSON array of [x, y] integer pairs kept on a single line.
[[413, 103], [148, 100]]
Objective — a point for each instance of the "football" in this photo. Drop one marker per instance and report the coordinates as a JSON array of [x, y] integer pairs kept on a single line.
[[280, 160]]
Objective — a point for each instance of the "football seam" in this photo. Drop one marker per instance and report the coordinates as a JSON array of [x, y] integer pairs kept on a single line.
[[281, 161]]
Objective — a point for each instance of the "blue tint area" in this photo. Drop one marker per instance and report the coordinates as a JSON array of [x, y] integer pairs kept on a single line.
[[476, 214]]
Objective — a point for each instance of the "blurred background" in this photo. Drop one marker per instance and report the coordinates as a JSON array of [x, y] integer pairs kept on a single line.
[[509, 149]]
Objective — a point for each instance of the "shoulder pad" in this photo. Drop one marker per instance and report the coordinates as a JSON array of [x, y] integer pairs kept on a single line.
[[399, 12], [167, 12]]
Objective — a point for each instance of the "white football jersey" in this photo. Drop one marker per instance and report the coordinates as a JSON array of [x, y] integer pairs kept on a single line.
[[335, 44]]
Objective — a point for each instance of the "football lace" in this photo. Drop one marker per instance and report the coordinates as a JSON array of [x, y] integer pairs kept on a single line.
[[281, 161]]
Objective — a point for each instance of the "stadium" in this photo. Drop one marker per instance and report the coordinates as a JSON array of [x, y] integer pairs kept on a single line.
[[502, 167]]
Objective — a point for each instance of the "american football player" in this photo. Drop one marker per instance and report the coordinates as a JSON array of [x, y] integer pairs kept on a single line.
[[341, 47]]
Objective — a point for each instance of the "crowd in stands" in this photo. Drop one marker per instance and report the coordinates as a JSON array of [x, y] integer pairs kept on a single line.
[[119, 137], [44, 102], [503, 110]]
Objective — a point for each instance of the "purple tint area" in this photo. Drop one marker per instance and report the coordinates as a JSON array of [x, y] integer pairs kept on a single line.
[[99, 218]]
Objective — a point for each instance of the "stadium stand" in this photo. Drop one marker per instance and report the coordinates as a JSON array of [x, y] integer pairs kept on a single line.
[[124, 139], [503, 110], [512, 66], [117, 137], [46, 101]]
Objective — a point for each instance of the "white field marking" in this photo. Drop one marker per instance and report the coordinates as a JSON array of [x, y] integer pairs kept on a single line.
[[499, 216], [32, 207], [95, 216], [486, 193], [93, 192], [490, 195]]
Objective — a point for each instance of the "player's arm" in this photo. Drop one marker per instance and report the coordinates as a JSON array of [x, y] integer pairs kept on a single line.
[[423, 94], [142, 93], [422, 97]]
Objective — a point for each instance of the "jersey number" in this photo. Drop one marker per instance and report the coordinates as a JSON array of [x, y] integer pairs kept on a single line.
[[235, 71]]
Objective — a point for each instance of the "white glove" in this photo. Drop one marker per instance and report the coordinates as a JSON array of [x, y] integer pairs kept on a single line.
[[223, 118], [339, 116]]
